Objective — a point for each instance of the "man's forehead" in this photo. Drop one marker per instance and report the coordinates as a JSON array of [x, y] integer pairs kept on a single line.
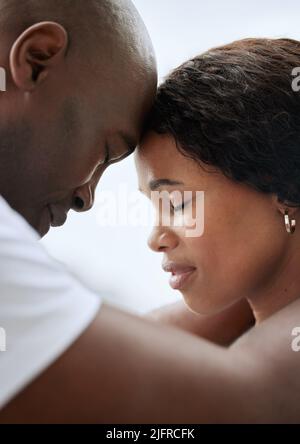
[[123, 119]]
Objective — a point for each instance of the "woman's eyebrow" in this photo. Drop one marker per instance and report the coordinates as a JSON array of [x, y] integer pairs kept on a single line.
[[157, 183]]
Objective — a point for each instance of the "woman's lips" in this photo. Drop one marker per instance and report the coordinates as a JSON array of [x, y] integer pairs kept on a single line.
[[177, 281], [180, 274]]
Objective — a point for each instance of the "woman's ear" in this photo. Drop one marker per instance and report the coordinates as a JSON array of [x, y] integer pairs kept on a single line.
[[36, 51], [283, 206]]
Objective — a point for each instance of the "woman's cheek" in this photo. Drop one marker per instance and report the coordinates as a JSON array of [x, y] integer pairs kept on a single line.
[[191, 219]]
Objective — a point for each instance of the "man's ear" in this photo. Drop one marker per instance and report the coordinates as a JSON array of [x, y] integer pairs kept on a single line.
[[36, 51]]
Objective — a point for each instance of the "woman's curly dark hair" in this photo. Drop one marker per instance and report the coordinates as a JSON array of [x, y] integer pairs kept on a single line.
[[234, 107]]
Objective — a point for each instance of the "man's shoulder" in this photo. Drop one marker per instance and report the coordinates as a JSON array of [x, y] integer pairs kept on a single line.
[[43, 308]]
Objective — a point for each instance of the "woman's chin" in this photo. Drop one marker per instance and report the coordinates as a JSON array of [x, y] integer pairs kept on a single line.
[[201, 306]]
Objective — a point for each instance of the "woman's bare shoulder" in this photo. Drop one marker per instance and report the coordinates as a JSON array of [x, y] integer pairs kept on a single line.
[[271, 351]]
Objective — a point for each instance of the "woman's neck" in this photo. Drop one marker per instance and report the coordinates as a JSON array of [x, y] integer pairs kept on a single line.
[[283, 288]]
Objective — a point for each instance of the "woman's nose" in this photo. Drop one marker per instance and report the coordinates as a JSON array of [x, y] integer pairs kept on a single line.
[[83, 198], [161, 240]]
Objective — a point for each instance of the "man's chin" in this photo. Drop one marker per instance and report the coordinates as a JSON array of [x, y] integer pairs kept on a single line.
[[45, 223], [40, 224], [38, 219]]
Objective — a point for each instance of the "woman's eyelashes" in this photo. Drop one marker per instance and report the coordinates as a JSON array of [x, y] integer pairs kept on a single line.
[[176, 207]]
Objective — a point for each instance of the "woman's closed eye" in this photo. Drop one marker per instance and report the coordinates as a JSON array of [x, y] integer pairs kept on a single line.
[[178, 207], [178, 204]]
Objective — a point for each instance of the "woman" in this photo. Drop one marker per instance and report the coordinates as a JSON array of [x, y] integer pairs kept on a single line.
[[228, 123]]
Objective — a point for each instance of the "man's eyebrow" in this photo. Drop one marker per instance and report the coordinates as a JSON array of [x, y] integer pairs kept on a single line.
[[156, 183], [130, 141], [130, 144]]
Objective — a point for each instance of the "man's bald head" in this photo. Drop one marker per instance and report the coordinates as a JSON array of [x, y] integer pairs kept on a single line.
[[88, 23], [81, 78]]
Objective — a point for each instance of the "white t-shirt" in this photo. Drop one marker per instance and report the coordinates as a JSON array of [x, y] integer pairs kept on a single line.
[[43, 308]]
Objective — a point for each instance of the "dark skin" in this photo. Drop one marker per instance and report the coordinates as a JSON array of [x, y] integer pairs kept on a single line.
[[66, 113], [157, 374], [222, 328], [57, 118]]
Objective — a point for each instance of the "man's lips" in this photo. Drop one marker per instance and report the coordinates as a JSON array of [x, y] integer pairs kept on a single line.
[[180, 273], [58, 217]]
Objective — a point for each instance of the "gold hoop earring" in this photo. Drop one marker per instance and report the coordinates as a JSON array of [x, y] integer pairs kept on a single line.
[[290, 225]]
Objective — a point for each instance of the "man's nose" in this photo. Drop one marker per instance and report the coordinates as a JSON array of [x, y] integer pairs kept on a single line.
[[83, 198], [162, 240]]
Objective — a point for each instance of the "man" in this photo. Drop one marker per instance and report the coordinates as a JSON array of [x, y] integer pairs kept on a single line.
[[81, 78]]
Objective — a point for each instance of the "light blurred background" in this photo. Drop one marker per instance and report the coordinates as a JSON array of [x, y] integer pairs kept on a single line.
[[115, 261]]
